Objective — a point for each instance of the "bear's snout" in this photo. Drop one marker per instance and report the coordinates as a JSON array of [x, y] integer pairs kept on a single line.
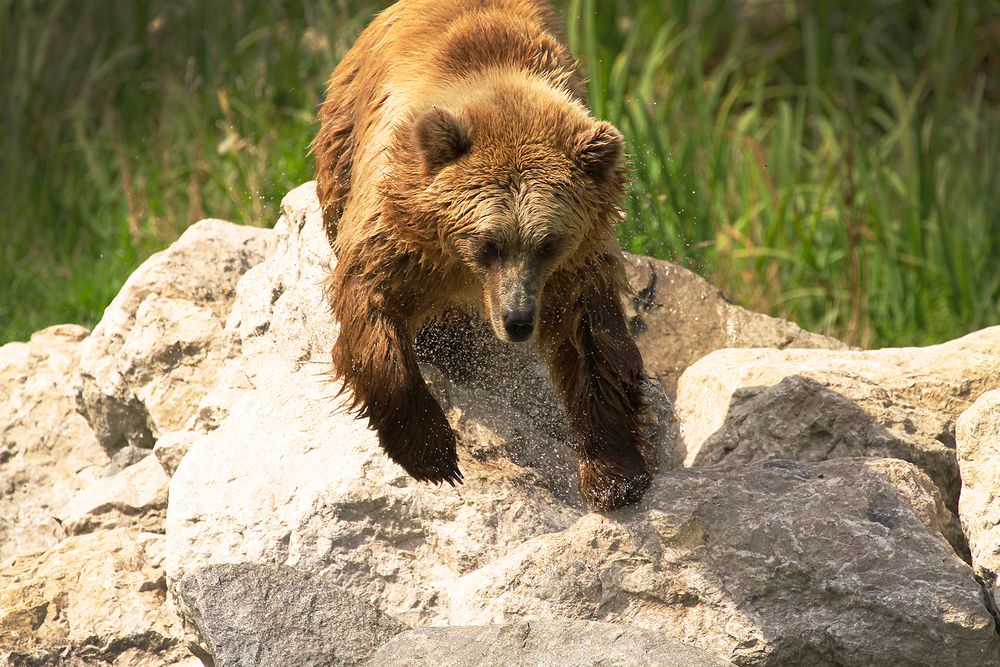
[[519, 324]]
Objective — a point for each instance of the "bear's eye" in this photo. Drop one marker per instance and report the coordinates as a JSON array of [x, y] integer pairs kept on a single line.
[[488, 253], [549, 248]]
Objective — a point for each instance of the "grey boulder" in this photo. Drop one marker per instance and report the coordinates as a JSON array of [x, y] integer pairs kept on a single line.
[[270, 615], [775, 563], [563, 643]]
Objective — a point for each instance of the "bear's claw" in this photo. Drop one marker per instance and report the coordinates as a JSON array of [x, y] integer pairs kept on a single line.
[[436, 472], [608, 487], [428, 457]]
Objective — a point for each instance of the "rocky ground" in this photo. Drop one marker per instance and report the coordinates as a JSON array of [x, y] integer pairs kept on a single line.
[[180, 487]]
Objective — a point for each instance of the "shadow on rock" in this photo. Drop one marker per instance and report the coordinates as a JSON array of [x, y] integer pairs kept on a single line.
[[801, 419]]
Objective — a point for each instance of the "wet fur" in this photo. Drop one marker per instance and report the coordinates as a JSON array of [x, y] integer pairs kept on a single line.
[[447, 122]]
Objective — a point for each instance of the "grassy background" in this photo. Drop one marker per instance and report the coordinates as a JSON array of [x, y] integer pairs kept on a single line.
[[835, 163]]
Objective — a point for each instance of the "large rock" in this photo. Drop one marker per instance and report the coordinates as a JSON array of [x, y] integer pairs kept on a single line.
[[563, 643], [284, 480], [158, 347], [738, 406], [287, 477], [835, 563], [978, 437], [678, 317], [278, 616], [92, 599], [48, 452]]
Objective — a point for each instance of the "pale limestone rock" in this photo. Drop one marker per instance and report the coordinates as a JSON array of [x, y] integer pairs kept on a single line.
[[978, 437], [47, 450], [135, 497], [91, 599], [98, 597], [737, 406], [156, 351], [286, 480]]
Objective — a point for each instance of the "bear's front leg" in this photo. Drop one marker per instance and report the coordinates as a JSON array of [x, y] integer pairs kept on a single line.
[[374, 358], [598, 373]]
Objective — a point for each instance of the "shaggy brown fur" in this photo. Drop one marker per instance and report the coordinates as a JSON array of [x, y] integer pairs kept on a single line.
[[458, 166]]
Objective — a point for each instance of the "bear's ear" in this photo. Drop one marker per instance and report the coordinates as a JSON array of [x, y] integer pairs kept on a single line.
[[600, 152], [441, 139]]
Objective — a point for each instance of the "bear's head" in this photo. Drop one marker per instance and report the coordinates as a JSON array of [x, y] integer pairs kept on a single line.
[[521, 182]]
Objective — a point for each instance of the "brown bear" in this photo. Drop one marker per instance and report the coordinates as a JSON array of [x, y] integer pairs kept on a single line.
[[458, 165]]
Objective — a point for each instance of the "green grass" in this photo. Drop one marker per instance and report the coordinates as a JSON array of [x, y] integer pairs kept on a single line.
[[835, 163]]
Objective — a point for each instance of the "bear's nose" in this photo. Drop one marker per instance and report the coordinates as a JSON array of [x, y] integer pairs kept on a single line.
[[519, 324]]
